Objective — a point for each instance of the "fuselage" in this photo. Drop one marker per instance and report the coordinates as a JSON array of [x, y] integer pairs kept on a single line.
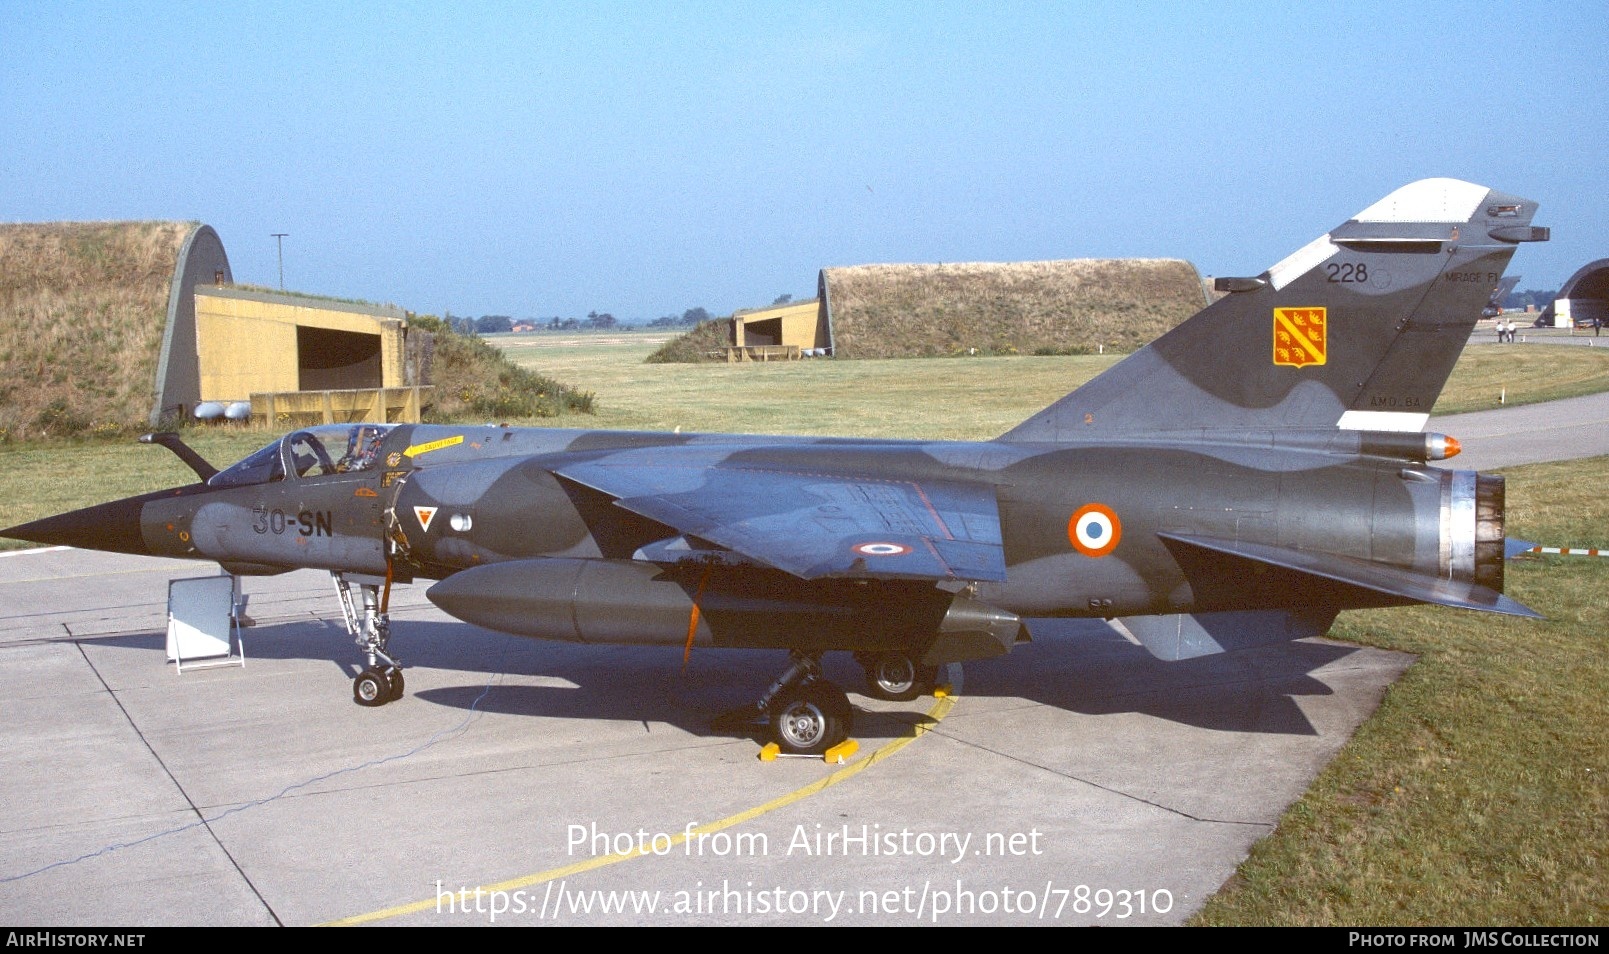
[[1080, 524]]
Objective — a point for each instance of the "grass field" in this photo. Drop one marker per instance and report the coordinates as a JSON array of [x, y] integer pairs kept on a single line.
[[937, 398], [39, 478], [1476, 794], [940, 398]]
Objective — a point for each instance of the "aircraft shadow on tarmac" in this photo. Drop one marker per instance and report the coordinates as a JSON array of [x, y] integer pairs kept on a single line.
[[1078, 666]]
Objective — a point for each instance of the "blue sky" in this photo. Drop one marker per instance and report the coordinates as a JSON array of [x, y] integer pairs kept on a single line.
[[539, 159]]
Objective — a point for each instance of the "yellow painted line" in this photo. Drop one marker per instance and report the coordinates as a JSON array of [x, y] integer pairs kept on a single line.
[[416, 449], [935, 715]]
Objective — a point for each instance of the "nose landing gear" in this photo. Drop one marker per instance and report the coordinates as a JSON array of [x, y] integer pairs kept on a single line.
[[370, 627]]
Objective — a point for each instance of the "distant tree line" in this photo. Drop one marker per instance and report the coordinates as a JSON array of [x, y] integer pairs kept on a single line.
[[496, 324], [594, 321], [1531, 296], [691, 316]]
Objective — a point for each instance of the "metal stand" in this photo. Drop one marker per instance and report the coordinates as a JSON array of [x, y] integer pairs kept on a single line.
[[204, 623]]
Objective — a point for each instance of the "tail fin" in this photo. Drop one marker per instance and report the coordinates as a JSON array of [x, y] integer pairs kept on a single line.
[[1358, 329]]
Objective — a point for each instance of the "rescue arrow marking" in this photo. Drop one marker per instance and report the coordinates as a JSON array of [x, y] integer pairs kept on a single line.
[[417, 449]]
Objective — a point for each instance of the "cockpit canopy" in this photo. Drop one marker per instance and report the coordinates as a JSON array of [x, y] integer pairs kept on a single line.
[[314, 452]]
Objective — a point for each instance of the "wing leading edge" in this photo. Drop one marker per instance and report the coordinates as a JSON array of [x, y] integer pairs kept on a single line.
[[814, 525]]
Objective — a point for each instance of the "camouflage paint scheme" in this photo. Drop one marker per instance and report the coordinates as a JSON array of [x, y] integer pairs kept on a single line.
[[1240, 480]]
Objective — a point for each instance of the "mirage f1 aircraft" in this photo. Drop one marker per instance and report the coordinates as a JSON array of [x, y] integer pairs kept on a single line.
[[1239, 481]]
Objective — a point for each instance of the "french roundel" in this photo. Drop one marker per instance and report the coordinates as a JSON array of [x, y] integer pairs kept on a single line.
[[1095, 530], [882, 549]]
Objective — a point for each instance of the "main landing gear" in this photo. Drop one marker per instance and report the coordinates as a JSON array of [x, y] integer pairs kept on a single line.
[[369, 625], [896, 676], [808, 713]]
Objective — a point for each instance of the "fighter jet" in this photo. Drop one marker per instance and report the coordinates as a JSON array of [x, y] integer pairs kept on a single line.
[[1494, 303], [1241, 480]]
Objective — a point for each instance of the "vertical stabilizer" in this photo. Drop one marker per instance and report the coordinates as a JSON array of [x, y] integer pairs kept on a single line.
[[1357, 329]]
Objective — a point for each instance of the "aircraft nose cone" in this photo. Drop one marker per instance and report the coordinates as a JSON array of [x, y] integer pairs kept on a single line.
[[111, 526]]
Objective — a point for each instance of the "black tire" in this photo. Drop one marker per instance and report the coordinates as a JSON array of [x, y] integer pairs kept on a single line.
[[897, 677], [371, 688], [841, 709], [394, 676], [810, 719]]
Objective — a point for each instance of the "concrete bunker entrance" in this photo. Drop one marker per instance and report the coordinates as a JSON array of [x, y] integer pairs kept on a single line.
[[331, 360], [1589, 294], [762, 333]]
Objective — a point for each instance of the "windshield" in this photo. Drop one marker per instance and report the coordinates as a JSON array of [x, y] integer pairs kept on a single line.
[[314, 452], [260, 468]]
